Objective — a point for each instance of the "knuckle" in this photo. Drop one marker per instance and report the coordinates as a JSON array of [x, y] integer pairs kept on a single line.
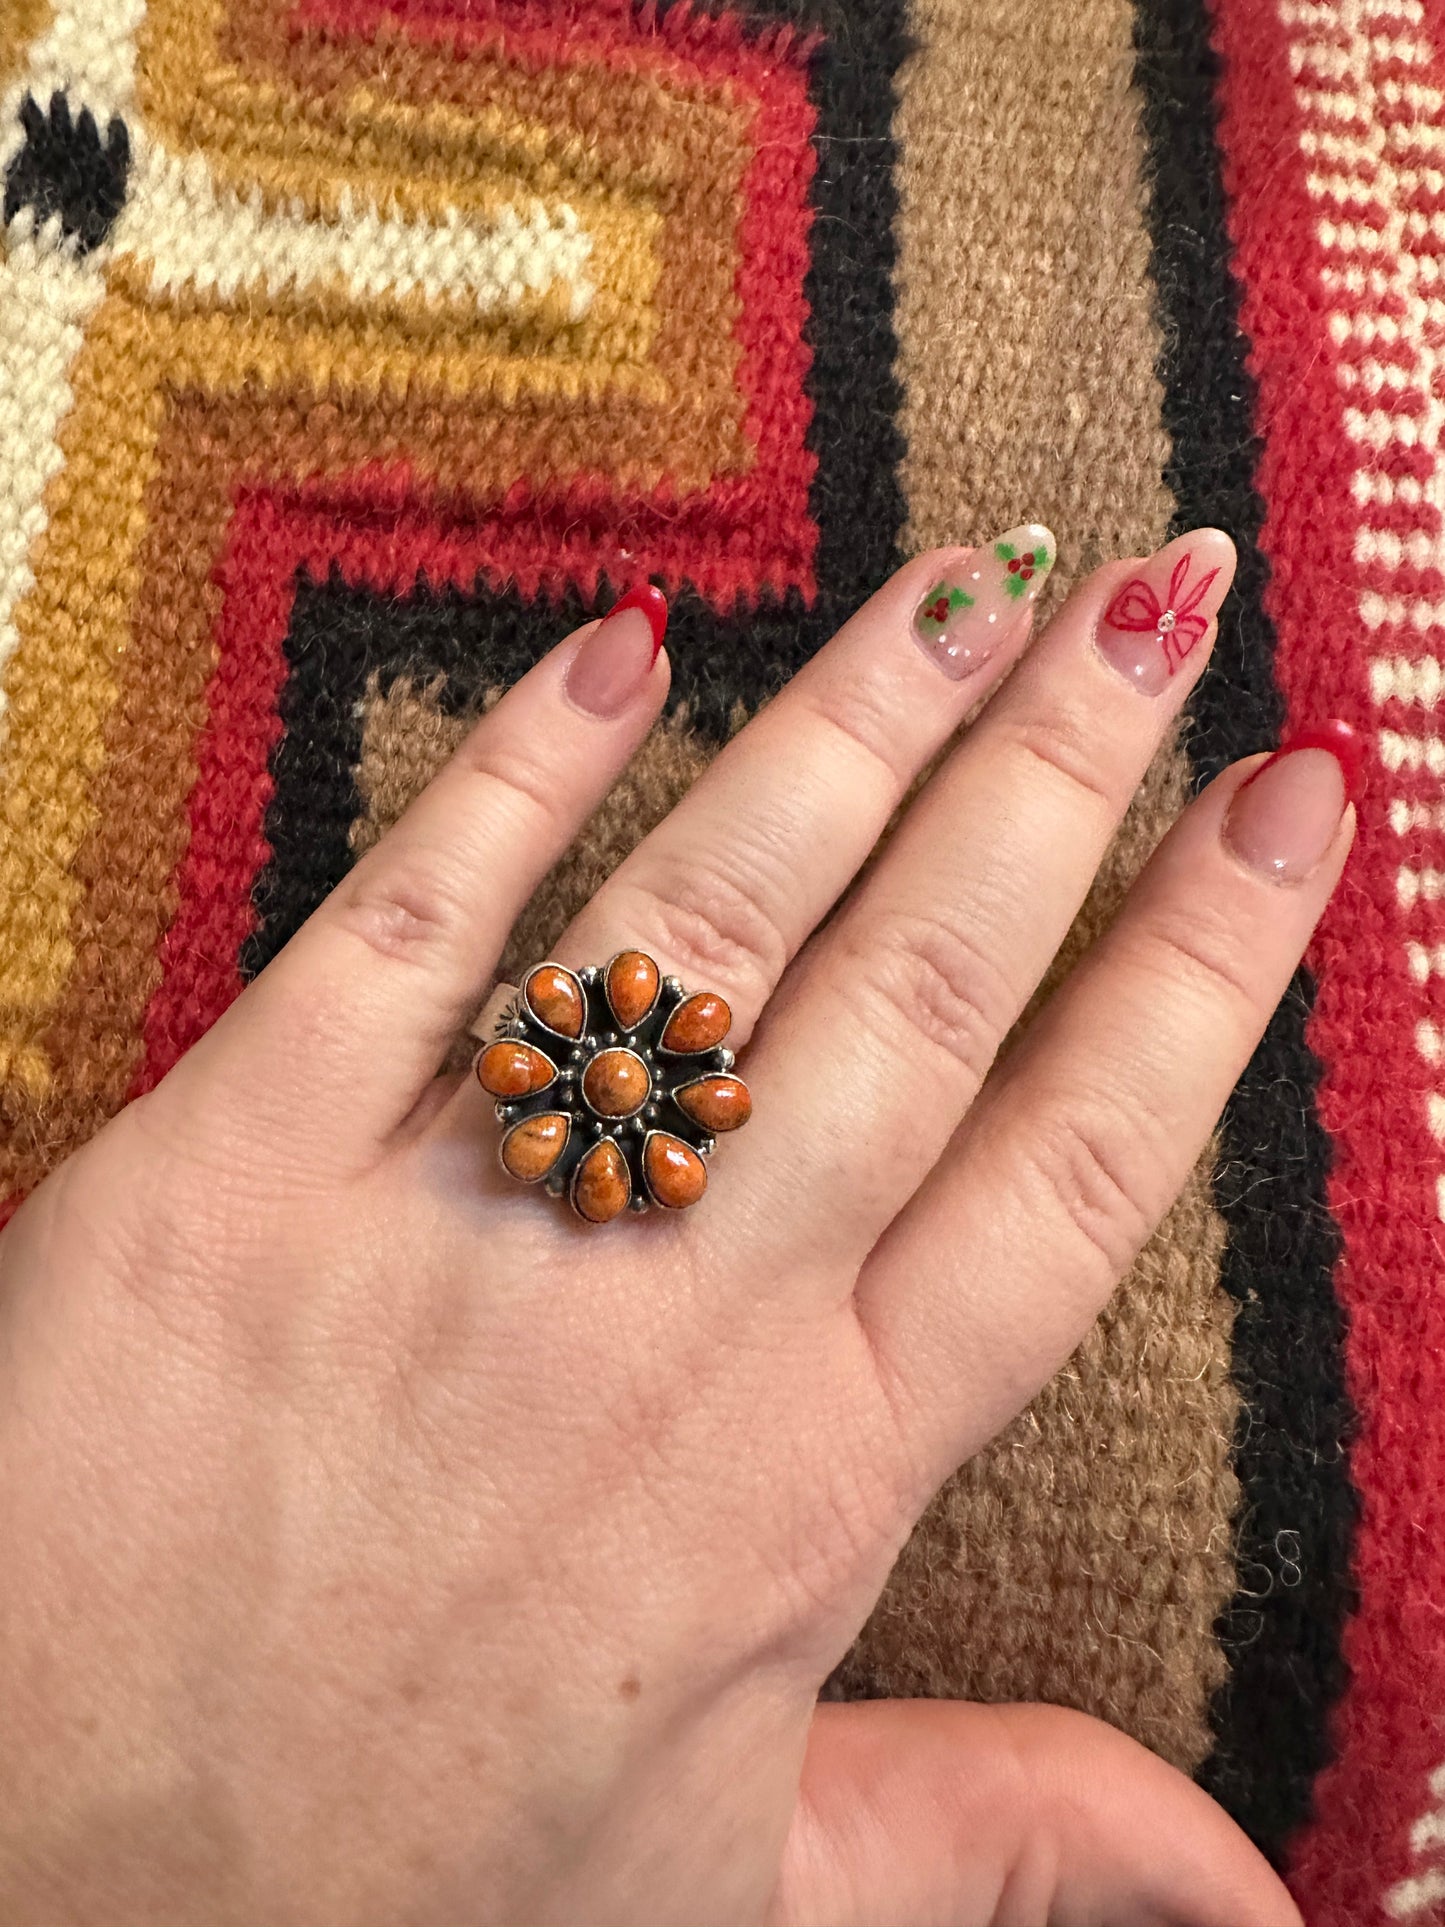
[[929, 976], [713, 926], [1200, 947], [517, 785], [1064, 752], [863, 715], [1086, 1171], [404, 915]]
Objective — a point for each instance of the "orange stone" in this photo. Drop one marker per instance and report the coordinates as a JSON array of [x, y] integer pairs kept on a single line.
[[676, 1175], [601, 1184], [510, 1069], [699, 1023], [633, 981], [717, 1103], [554, 997], [616, 1083], [531, 1148]]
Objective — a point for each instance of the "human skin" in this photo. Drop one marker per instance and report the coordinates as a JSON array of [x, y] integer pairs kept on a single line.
[[383, 1545]]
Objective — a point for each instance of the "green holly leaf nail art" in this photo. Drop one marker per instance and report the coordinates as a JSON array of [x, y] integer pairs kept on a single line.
[[941, 604], [1022, 567]]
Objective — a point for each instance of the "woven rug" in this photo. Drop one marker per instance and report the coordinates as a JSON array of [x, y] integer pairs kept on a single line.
[[351, 350]]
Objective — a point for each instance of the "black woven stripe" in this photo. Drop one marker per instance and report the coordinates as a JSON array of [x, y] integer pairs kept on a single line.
[[482, 639], [1281, 1633]]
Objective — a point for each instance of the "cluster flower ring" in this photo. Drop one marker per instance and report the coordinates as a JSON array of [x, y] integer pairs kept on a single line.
[[613, 1085]]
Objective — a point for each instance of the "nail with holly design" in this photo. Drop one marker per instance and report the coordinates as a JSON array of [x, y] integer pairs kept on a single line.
[[983, 604]]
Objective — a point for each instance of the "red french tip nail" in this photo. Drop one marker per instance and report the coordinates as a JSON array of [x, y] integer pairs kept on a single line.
[[1339, 739], [653, 604]]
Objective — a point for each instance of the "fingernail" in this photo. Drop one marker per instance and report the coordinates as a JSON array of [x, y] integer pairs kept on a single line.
[[976, 609], [612, 664], [1163, 610], [1284, 818]]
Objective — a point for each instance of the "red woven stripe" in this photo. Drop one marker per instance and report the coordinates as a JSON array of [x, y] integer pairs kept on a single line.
[[1390, 1728]]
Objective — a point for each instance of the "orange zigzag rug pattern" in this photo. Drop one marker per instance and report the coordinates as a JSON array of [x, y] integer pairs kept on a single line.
[[496, 300]]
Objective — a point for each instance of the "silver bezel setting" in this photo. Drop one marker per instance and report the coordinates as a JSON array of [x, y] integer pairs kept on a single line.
[[658, 1115]]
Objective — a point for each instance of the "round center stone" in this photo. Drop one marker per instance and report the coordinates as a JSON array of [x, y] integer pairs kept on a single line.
[[616, 1083]]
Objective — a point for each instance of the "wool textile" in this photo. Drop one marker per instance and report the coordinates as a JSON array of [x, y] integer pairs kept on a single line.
[[353, 350]]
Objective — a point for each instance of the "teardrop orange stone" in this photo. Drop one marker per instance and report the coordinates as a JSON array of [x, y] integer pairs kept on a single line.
[[510, 1069], [554, 996], [699, 1023], [602, 1184], [616, 1083], [633, 981], [717, 1103], [676, 1175], [531, 1148]]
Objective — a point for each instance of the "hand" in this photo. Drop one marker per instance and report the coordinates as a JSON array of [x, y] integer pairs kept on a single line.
[[381, 1544]]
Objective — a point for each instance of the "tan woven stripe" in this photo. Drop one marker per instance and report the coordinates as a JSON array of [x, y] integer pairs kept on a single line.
[[406, 739], [1083, 1557]]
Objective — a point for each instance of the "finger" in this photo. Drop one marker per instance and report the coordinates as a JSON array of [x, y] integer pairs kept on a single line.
[[359, 1008], [913, 1812], [725, 890], [994, 1273], [887, 1027]]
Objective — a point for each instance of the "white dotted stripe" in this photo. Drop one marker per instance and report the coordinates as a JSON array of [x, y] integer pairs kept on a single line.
[[1418, 886], [1330, 60], [1322, 16], [1425, 960], [1394, 334], [1417, 138], [1399, 284], [1382, 429], [1400, 611], [1408, 224], [1427, 1834], [1408, 679], [1387, 548], [1421, 1890], [1412, 754], [1406, 817], [1377, 488]]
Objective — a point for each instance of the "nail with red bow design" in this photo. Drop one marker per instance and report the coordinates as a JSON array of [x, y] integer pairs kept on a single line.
[[1162, 613]]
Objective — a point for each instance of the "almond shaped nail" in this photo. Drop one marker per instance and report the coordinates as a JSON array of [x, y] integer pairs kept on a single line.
[[1160, 614], [1285, 816], [982, 605]]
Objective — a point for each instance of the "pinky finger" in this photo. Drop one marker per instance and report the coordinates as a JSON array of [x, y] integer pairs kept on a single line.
[[1089, 1130]]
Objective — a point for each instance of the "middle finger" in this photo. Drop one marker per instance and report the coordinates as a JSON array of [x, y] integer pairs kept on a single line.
[[726, 888]]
